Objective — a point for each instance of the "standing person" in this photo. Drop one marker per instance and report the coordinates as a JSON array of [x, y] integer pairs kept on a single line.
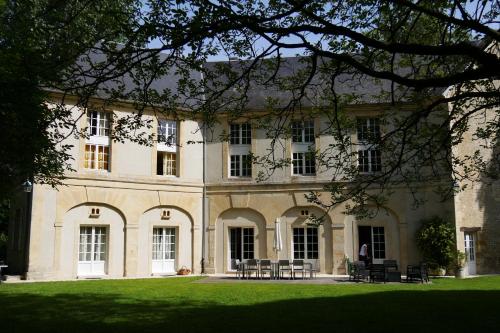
[[363, 254]]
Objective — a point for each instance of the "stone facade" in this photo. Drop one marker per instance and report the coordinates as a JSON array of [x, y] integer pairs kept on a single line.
[[118, 220]]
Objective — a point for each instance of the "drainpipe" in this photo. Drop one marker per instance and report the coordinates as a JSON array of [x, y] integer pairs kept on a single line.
[[204, 217], [28, 189]]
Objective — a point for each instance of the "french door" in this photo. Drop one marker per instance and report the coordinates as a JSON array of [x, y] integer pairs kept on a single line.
[[470, 252], [374, 237], [163, 250], [241, 245], [92, 251], [305, 243]]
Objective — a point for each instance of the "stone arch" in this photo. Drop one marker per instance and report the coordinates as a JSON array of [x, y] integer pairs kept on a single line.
[[293, 218], [181, 221], [74, 218], [386, 218], [234, 218]]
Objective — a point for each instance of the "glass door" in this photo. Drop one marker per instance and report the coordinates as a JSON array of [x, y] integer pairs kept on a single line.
[[470, 252], [92, 251], [241, 245], [163, 259]]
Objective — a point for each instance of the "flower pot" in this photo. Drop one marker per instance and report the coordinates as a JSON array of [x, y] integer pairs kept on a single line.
[[459, 273]]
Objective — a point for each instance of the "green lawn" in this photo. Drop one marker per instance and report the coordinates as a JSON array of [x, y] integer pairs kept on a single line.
[[180, 305]]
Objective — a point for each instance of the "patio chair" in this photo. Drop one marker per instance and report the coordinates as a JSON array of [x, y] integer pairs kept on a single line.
[[239, 268], [298, 266], [251, 266], [392, 274], [360, 271], [377, 272], [265, 267], [310, 266], [284, 266], [420, 272]]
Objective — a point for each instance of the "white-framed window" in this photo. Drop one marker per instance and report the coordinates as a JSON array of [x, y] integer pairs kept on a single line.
[[369, 156], [240, 159], [97, 146], [303, 158], [92, 251], [98, 123], [303, 164], [241, 244], [240, 166], [305, 243], [303, 131], [240, 134], [96, 157], [166, 164], [167, 148], [167, 132]]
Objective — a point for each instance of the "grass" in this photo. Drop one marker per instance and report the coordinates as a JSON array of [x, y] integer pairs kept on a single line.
[[181, 305]]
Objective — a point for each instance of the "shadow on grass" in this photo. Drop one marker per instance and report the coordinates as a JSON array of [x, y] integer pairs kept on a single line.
[[391, 311]]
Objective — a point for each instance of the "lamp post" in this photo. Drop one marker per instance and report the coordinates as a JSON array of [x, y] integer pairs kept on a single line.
[[27, 188]]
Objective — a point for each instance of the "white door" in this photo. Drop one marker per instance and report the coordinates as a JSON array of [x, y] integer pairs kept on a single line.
[[163, 250], [92, 251], [470, 252]]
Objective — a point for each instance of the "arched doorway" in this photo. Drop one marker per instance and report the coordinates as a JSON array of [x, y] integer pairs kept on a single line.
[[92, 241], [305, 241], [165, 241], [380, 234], [240, 235]]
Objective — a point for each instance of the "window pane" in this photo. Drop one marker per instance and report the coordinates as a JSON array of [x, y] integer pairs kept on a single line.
[[312, 243], [298, 243], [376, 160], [248, 243], [378, 242], [235, 166], [246, 166], [297, 131], [167, 132], [309, 164], [363, 161], [298, 163], [89, 156], [169, 164], [234, 134], [246, 134], [308, 131], [368, 129]]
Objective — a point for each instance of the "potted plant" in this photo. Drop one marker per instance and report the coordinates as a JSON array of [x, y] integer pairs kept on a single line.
[[460, 261]]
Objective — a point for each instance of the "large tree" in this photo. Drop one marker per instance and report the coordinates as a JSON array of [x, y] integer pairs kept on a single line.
[[423, 53], [39, 41]]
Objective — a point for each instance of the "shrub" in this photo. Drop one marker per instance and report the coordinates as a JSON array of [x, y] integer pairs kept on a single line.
[[436, 241]]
